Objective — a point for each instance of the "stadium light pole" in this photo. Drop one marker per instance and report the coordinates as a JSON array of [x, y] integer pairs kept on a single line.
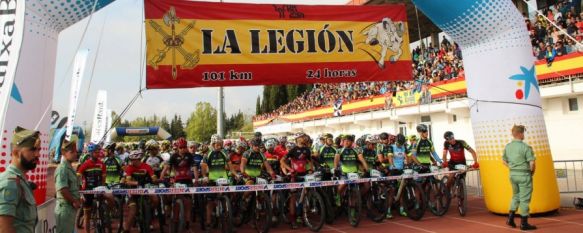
[[220, 109]]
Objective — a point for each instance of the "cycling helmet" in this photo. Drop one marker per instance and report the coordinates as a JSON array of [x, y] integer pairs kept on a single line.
[[215, 138], [165, 143], [413, 137], [349, 137], [328, 135], [290, 145], [401, 140], [119, 146], [181, 142], [227, 143], [142, 144], [361, 141], [241, 143], [422, 128], [92, 147], [371, 139], [204, 148], [270, 144], [110, 146], [152, 144], [283, 139], [135, 155], [384, 136], [299, 134], [257, 134], [256, 142], [392, 139], [448, 135]]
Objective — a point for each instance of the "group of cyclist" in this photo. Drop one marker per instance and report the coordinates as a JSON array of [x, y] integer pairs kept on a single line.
[[189, 164]]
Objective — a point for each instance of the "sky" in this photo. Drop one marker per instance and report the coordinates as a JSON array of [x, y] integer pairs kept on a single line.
[[115, 37]]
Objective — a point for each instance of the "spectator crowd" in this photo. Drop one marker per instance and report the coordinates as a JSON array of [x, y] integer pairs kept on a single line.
[[444, 62]]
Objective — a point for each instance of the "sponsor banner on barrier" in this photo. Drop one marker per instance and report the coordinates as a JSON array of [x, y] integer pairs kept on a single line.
[[204, 44], [78, 70], [46, 217], [266, 187]]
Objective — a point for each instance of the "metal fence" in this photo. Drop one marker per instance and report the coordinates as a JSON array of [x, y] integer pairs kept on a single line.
[[569, 178]]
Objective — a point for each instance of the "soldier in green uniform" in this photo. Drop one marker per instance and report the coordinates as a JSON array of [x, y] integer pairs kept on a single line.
[[519, 158], [67, 186], [17, 204]]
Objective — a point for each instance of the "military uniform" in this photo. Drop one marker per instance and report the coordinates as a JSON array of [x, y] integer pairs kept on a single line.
[[518, 156], [16, 197], [65, 177]]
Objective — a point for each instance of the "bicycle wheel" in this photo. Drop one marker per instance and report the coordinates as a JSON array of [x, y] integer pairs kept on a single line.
[[276, 209], [241, 215], [438, 198], [414, 201], [176, 224], [330, 205], [79, 218], [462, 197], [225, 218], [313, 210], [354, 206], [376, 203], [146, 216], [105, 219], [391, 201], [262, 213]]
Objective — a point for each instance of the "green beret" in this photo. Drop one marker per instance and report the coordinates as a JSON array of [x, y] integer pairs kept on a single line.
[[25, 138], [69, 145]]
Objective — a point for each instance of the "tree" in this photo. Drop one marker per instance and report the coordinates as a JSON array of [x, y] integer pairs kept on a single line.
[[164, 124], [258, 106], [202, 123], [266, 102]]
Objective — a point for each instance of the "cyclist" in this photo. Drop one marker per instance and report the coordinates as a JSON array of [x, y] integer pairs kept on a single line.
[[153, 157], [236, 156], [347, 160], [113, 166], [252, 165], [300, 159], [280, 148], [383, 149], [325, 156], [412, 142], [370, 156], [456, 149], [93, 174], [228, 146], [317, 145], [165, 146], [138, 174], [120, 152], [180, 167], [338, 141], [424, 154], [398, 154], [273, 156], [214, 166], [91, 147]]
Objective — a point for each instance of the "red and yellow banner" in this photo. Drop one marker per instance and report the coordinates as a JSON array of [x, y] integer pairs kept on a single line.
[[202, 44]]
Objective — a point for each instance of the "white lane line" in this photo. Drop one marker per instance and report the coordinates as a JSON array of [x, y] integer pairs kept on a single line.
[[563, 221], [486, 224]]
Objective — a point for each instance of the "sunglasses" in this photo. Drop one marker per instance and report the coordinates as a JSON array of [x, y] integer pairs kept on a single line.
[[182, 147]]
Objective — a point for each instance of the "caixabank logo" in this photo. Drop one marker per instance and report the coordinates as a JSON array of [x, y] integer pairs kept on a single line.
[[525, 81]]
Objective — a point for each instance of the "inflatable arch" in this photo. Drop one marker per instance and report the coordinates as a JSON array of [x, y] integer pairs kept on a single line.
[[497, 57], [141, 131]]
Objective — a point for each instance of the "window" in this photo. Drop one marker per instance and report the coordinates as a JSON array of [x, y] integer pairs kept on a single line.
[[425, 118], [454, 118], [403, 128], [573, 105]]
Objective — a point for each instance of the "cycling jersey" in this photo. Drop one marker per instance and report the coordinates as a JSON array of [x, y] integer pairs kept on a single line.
[[280, 150], [299, 158], [143, 174], [424, 151], [399, 154], [197, 159], [113, 169], [384, 149], [348, 160], [84, 158], [235, 159], [273, 160], [326, 156], [457, 151], [370, 156], [254, 163], [165, 156], [155, 163], [92, 173], [181, 165], [216, 162]]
